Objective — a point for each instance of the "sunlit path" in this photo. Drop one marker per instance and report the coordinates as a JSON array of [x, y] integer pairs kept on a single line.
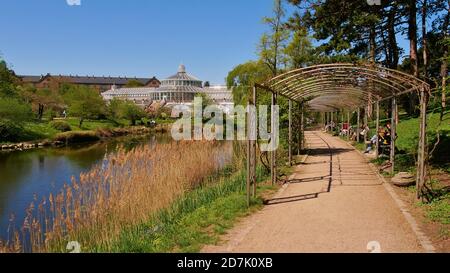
[[335, 202]]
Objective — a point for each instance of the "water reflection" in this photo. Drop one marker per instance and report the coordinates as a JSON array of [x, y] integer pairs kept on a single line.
[[37, 173]]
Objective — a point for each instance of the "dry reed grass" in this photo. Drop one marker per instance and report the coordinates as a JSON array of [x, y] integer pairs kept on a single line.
[[127, 189]]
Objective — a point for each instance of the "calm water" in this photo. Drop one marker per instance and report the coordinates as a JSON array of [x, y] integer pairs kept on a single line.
[[37, 173]]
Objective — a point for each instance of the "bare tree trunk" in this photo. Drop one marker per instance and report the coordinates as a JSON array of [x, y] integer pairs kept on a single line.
[[372, 42], [444, 66], [424, 38], [40, 111], [393, 47], [412, 35]]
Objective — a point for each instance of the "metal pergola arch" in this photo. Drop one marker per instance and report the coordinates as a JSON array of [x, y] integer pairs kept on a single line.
[[328, 88]]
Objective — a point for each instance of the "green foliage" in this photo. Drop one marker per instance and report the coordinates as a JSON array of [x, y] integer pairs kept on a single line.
[[10, 131], [408, 131], [134, 83], [242, 78], [124, 109], [132, 112], [60, 125], [43, 101], [85, 103], [299, 51], [8, 81], [77, 137], [274, 42], [439, 210], [14, 110], [206, 101]]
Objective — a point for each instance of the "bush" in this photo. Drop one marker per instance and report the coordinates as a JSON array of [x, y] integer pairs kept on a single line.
[[10, 131], [14, 110], [77, 137], [60, 126]]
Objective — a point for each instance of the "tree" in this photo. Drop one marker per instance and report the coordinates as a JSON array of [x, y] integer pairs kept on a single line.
[[134, 83], [42, 99], [412, 36], [8, 81], [299, 51], [14, 110], [243, 76], [114, 109], [206, 101], [445, 58], [130, 111], [84, 103], [272, 44], [13, 113]]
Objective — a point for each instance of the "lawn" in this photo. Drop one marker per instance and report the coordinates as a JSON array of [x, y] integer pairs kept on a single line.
[[40, 130], [408, 131]]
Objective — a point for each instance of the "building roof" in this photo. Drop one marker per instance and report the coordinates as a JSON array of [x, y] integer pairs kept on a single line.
[[131, 90], [179, 89], [88, 79], [182, 75]]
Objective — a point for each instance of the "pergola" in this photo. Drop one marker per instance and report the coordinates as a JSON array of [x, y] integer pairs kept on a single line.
[[330, 88]]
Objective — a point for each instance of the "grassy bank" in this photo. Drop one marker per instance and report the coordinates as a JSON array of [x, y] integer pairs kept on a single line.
[[198, 219], [150, 199], [45, 130], [94, 208]]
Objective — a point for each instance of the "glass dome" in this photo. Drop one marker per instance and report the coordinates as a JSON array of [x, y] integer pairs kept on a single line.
[[182, 78]]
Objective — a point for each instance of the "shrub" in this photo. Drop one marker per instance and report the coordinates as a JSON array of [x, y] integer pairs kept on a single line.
[[60, 125], [10, 131], [14, 110], [77, 137]]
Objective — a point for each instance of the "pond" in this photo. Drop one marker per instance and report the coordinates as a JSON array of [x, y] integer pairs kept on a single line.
[[34, 174]]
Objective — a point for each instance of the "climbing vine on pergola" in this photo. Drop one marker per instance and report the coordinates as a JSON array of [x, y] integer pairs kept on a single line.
[[348, 87]]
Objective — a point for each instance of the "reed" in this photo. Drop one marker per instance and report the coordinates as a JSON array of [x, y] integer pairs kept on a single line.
[[127, 189]]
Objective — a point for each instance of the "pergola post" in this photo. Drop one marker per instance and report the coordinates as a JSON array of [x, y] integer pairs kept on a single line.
[[251, 147], [302, 146], [290, 132], [323, 120], [377, 152], [300, 132], [393, 133], [366, 123], [358, 125], [273, 163], [248, 156], [421, 162], [348, 125], [331, 122]]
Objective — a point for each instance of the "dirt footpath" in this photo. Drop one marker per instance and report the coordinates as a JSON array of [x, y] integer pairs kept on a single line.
[[335, 202]]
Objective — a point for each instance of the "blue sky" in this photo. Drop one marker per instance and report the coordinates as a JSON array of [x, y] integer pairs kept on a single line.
[[131, 37]]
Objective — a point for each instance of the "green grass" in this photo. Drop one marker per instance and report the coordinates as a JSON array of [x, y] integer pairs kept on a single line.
[[197, 219], [94, 124], [408, 130], [40, 130], [439, 210]]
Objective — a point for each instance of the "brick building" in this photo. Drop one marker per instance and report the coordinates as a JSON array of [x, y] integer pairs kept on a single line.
[[100, 83]]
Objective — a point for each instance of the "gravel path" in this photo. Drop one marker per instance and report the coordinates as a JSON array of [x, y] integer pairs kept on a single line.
[[334, 203]]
